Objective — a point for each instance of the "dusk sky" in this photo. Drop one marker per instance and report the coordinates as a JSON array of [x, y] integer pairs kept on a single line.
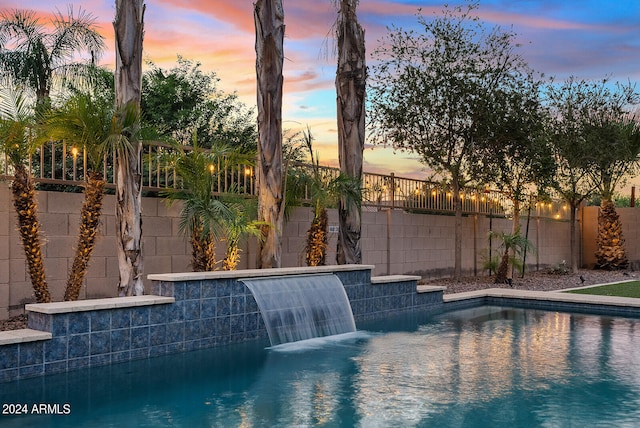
[[589, 39]]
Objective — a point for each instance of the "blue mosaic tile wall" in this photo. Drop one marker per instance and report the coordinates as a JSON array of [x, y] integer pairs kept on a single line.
[[205, 313]]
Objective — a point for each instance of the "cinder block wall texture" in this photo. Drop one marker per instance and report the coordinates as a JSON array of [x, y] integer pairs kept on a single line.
[[394, 241]]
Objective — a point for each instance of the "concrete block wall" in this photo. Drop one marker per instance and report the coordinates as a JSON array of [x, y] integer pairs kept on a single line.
[[395, 242]]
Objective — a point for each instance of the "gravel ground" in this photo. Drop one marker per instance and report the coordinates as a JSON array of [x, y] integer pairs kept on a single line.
[[537, 281]]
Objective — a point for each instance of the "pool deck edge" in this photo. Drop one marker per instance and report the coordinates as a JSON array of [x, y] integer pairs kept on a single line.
[[551, 296]]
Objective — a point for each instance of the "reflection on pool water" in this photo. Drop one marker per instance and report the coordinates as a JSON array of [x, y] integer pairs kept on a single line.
[[482, 367]]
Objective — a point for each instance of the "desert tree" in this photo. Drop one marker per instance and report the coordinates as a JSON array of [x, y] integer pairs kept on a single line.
[[567, 104], [522, 154], [437, 93]]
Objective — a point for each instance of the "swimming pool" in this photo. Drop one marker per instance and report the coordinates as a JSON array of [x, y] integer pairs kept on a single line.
[[486, 366]]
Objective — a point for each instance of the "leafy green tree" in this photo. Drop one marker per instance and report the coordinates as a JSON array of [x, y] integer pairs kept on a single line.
[[35, 55], [523, 156], [16, 125], [568, 105], [597, 140], [439, 93], [183, 101]]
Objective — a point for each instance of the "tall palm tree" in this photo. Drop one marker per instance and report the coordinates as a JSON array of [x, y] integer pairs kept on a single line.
[[91, 124], [15, 123], [351, 76], [129, 31], [35, 55], [269, 23], [618, 156], [326, 191]]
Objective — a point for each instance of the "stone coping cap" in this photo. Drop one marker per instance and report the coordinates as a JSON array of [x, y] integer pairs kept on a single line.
[[23, 335], [430, 288], [254, 273], [393, 278], [97, 304], [551, 296]]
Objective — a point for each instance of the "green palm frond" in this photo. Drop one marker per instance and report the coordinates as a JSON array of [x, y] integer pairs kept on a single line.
[[84, 122], [16, 114]]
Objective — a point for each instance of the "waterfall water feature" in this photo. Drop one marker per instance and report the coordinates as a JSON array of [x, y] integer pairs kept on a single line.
[[300, 307]]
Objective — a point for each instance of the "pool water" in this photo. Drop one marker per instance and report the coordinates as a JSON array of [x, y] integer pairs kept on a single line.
[[482, 367]]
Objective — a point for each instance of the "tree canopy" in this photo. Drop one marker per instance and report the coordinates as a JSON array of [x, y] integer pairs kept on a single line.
[[449, 94], [185, 101]]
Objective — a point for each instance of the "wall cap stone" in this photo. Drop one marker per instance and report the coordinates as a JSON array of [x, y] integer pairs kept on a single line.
[[430, 288], [253, 273], [97, 304], [393, 278], [23, 335]]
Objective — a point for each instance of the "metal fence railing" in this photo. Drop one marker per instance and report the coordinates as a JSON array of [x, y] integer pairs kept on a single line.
[[58, 165]]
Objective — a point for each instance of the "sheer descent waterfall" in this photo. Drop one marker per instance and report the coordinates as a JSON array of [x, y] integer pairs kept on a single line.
[[302, 307]]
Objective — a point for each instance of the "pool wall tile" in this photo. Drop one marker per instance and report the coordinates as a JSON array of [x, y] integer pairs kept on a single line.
[[120, 318], [205, 313]]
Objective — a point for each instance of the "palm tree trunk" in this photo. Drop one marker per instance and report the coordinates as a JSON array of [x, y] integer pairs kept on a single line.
[[351, 77], [89, 222], [232, 257], [269, 23], [24, 202], [503, 269], [129, 29], [610, 253], [515, 230], [203, 251], [317, 240]]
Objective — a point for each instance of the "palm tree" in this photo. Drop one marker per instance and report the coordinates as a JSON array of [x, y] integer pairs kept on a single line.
[[202, 212], [326, 190], [91, 124], [514, 245], [351, 76], [15, 124], [618, 147], [237, 226], [269, 23], [35, 55], [129, 30]]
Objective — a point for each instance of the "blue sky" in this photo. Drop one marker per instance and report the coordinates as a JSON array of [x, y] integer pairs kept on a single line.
[[590, 39]]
